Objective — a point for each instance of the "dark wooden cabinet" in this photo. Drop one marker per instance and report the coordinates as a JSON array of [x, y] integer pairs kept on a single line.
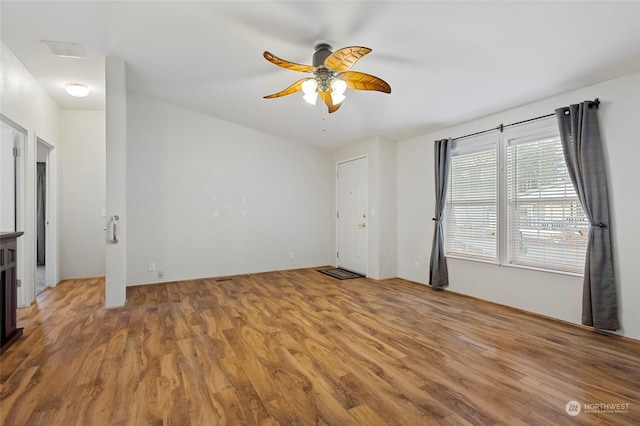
[[9, 332]]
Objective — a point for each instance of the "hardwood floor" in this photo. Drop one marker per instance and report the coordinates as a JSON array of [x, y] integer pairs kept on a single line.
[[297, 348]]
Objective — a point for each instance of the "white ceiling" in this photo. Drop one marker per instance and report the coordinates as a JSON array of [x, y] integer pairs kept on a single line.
[[447, 62]]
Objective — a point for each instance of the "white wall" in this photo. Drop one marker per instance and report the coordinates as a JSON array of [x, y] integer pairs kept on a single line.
[[210, 198], [553, 295], [83, 183], [116, 181], [27, 104], [381, 157], [387, 211]]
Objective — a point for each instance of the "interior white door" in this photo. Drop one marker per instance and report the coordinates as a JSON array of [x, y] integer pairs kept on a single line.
[[352, 215]]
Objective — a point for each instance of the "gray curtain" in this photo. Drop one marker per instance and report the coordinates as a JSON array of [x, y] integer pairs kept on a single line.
[[41, 211], [583, 153], [438, 273]]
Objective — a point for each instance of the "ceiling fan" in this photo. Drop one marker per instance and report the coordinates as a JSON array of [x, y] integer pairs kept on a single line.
[[331, 75]]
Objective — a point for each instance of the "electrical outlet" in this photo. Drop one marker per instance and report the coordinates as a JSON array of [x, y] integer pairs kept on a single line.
[[160, 275], [416, 266], [291, 255], [152, 266]]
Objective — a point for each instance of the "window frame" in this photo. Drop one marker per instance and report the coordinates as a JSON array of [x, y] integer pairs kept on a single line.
[[467, 146], [542, 128]]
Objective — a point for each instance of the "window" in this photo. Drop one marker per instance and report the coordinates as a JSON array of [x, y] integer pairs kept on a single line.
[[547, 226], [510, 200], [472, 216]]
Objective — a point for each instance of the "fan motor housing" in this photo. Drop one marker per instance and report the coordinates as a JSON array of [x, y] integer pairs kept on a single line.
[[323, 51]]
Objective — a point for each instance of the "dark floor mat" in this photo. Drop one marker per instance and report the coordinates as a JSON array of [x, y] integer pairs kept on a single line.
[[340, 274]]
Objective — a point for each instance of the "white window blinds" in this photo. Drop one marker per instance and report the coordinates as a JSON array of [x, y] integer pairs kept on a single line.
[[546, 225], [471, 216]]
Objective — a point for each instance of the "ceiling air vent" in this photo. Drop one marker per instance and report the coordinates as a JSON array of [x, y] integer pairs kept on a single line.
[[63, 49]]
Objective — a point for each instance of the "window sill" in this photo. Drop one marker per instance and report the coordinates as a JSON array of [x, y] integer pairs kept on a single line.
[[539, 269], [473, 259], [510, 265]]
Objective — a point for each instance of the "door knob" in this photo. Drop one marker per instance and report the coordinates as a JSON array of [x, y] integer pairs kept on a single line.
[[362, 225]]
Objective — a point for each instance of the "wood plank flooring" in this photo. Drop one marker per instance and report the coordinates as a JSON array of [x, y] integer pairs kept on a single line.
[[299, 347]]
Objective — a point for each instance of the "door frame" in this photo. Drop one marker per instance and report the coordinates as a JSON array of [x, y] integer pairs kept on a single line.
[[337, 225], [21, 206]]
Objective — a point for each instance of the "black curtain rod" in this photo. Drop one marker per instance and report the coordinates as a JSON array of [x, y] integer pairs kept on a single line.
[[501, 127]]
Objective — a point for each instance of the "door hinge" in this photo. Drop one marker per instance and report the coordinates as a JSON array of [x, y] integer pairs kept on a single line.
[[337, 215], [18, 283], [337, 175], [16, 152], [337, 254]]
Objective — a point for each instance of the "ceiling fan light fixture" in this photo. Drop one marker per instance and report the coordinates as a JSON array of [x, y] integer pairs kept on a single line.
[[311, 98], [338, 87], [78, 90], [336, 98], [309, 88]]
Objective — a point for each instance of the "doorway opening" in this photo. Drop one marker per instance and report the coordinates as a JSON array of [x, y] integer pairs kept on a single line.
[[43, 203]]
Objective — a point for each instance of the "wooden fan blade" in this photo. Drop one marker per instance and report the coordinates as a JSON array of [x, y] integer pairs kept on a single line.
[[295, 87], [361, 81], [326, 97], [286, 64], [343, 59]]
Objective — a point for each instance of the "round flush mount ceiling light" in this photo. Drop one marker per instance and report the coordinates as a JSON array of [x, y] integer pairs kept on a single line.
[[78, 90]]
